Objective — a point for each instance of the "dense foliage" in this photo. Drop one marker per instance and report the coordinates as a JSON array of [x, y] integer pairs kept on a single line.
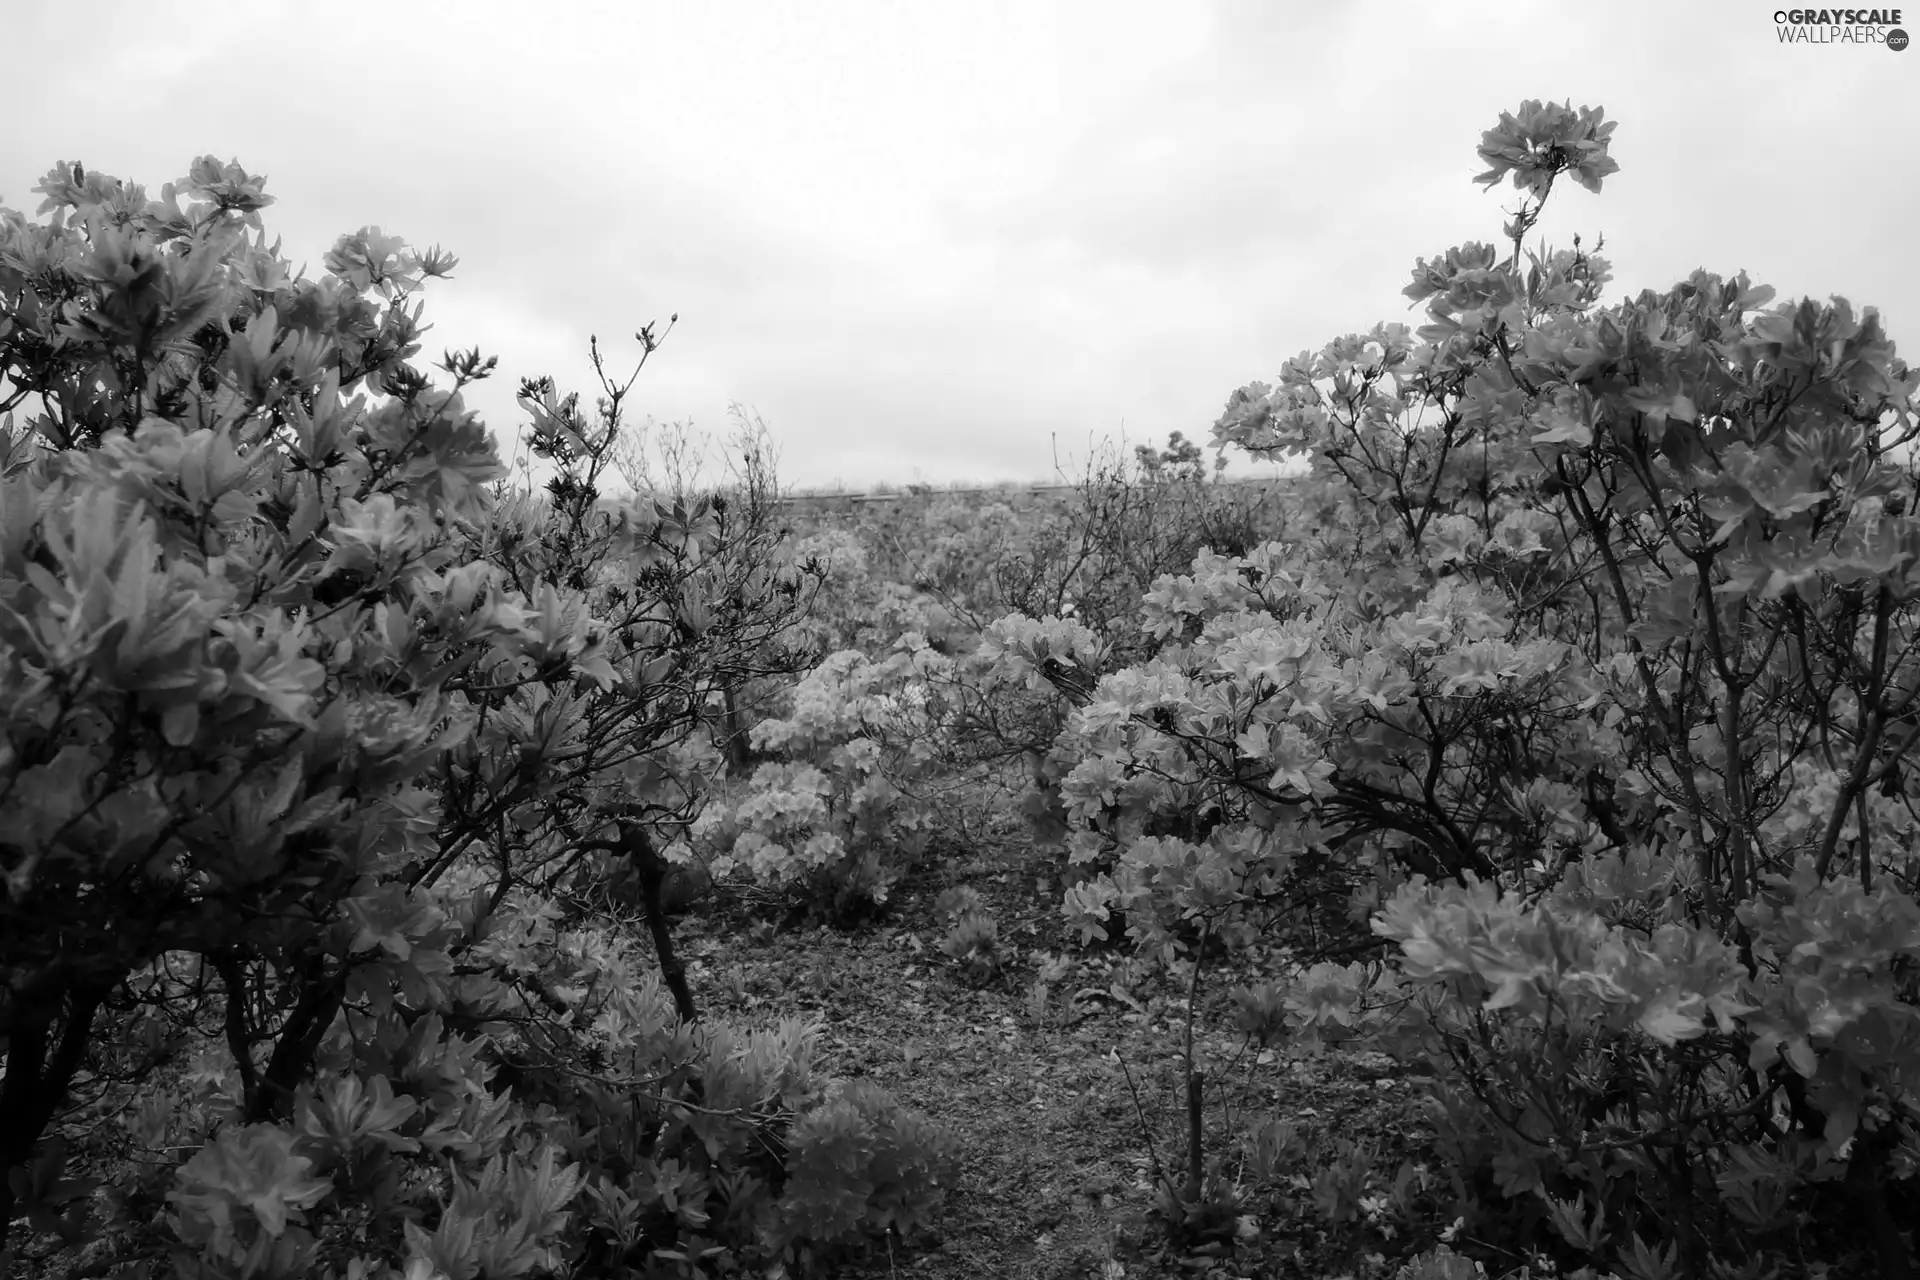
[[1596, 691], [313, 736]]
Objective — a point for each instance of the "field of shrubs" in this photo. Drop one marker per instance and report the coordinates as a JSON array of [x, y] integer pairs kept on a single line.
[[1488, 852]]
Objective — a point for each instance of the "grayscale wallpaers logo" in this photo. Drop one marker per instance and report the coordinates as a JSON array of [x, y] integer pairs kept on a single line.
[[1841, 26]]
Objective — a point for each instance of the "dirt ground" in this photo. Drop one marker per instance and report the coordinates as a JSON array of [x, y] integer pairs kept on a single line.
[[1058, 1180]]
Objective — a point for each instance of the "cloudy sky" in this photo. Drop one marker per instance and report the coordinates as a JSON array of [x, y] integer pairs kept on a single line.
[[944, 242]]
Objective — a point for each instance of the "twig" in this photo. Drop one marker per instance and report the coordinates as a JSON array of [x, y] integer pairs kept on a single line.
[[1140, 1112]]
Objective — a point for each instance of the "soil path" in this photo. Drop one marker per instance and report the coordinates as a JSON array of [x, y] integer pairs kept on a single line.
[[1057, 1180]]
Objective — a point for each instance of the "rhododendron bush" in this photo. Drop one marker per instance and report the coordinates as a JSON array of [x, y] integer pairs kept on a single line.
[[842, 811], [941, 568], [312, 736], [1594, 693]]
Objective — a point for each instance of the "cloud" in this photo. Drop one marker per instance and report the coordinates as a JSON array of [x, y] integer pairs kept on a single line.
[[942, 242]]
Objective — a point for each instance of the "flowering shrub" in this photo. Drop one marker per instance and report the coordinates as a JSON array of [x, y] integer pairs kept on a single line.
[[862, 1166], [947, 568], [861, 606], [306, 732], [1595, 692], [839, 819]]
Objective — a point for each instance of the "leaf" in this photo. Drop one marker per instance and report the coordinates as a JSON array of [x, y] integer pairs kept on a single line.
[[254, 1168]]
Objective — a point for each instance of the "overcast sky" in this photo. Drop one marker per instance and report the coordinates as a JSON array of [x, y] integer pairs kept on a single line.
[[936, 241]]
